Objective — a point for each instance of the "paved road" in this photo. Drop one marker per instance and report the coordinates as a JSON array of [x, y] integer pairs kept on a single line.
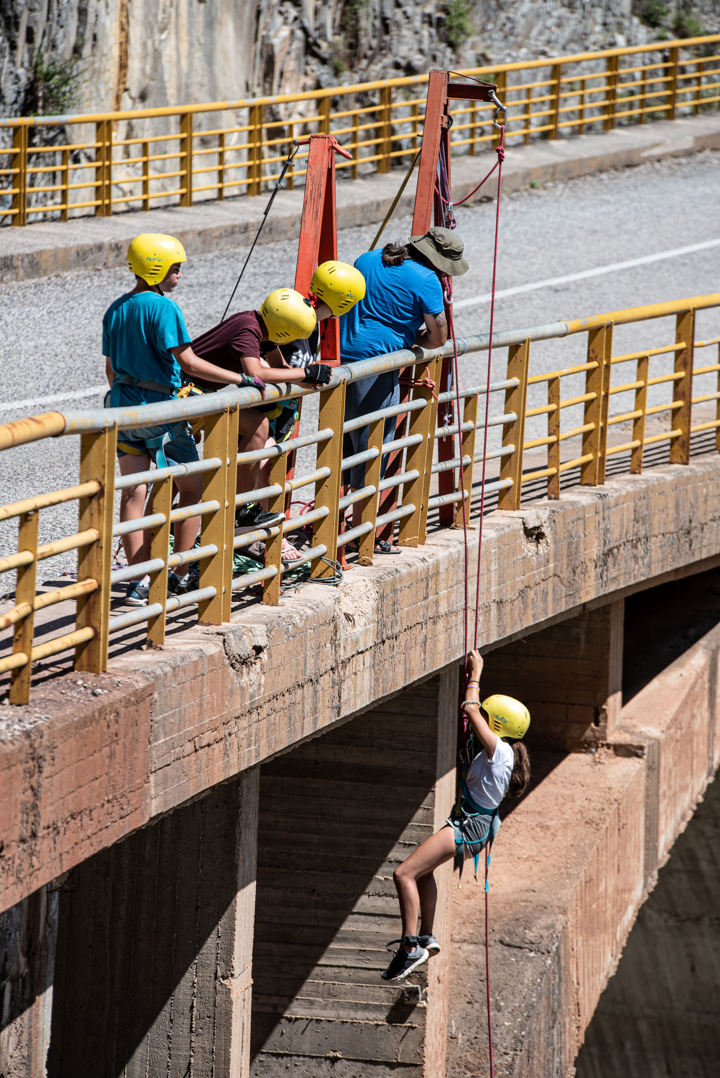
[[570, 249]]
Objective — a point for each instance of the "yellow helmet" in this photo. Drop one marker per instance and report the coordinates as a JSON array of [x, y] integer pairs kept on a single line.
[[339, 285], [151, 255], [288, 316], [507, 717]]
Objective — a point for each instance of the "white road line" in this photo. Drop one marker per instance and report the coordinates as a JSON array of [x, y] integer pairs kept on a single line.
[[613, 267], [42, 402]]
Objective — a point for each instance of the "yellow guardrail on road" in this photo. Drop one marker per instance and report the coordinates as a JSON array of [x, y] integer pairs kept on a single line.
[[668, 397], [57, 167]]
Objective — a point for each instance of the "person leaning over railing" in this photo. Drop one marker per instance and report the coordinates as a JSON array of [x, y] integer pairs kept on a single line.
[[277, 344], [147, 350], [403, 306]]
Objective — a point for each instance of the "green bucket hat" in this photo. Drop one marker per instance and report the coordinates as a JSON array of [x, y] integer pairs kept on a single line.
[[443, 249]]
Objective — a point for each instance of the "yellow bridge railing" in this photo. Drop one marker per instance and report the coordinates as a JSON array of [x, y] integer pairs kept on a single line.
[[57, 167], [545, 426]]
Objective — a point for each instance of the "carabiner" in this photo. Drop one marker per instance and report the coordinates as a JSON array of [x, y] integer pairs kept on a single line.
[[499, 107]]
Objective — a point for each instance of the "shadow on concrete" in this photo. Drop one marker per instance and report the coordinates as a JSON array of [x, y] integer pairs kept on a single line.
[[663, 622], [134, 926]]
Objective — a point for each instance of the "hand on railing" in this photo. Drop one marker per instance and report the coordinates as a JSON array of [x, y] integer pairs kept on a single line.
[[318, 374]]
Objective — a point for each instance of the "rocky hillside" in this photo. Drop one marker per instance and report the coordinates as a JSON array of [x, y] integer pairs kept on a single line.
[[59, 56]]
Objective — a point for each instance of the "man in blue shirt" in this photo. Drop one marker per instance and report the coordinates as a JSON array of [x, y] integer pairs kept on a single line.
[[403, 306]]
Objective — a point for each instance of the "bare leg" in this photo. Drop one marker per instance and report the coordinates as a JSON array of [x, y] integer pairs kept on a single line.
[[189, 493], [253, 434], [415, 884], [132, 506]]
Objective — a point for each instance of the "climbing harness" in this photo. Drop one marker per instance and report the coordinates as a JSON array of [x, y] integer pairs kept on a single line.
[[279, 184]]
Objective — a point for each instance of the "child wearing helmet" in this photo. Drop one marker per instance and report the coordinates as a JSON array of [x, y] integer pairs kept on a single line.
[[335, 288], [279, 343], [147, 349], [500, 767]]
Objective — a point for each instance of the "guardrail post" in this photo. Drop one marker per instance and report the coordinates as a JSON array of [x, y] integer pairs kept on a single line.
[[682, 391], [65, 175], [638, 434], [221, 167], [21, 677], [502, 79], [331, 414], [611, 84], [514, 429], [255, 150], [273, 545], [103, 168], [219, 485], [385, 129], [146, 176], [553, 423], [673, 69], [324, 110], [97, 461], [557, 84], [186, 158], [162, 496], [467, 449], [419, 457], [597, 383], [369, 508], [20, 163]]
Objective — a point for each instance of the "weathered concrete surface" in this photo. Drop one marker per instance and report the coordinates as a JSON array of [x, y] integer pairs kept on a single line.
[[337, 815], [659, 1013], [570, 870], [101, 242], [79, 771], [153, 970]]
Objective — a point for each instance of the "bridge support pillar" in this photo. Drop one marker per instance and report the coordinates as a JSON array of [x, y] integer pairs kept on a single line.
[[153, 967], [337, 814], [569, 675], [27, 959]]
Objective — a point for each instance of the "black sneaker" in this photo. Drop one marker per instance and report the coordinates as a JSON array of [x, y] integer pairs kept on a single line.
[[252, 516], [179, 585], [404, 961], [136, 593], [430, 944]]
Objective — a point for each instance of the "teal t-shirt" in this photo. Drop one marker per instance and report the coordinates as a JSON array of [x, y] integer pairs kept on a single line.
[[391, 312], [139, 329]]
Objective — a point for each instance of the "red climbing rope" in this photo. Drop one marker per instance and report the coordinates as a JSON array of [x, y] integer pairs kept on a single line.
[[501, 158]]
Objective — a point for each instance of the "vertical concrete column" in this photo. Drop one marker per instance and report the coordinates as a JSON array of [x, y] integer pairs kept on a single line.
[[569, 675], [27, 960], [153, 970]]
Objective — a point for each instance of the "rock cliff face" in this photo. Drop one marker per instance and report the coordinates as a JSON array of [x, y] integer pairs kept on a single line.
[[59, 56]]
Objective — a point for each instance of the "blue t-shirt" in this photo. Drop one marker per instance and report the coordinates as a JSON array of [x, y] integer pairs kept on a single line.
[[392, 310], [139, 329]]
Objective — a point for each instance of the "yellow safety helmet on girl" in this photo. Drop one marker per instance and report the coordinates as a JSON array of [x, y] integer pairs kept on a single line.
[[288, 316], [507, 717], [151, 254], [339, 285]]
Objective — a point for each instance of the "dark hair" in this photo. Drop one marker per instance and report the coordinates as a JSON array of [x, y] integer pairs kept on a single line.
[[520, 777], [394, 254]]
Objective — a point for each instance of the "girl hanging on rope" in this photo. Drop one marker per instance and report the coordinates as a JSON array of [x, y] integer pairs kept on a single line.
[[499, 765]]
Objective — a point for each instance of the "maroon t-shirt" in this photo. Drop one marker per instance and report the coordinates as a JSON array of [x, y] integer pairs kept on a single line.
[[226, 344]]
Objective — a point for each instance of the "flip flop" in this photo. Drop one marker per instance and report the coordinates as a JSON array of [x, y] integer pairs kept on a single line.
[[383, 546]]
